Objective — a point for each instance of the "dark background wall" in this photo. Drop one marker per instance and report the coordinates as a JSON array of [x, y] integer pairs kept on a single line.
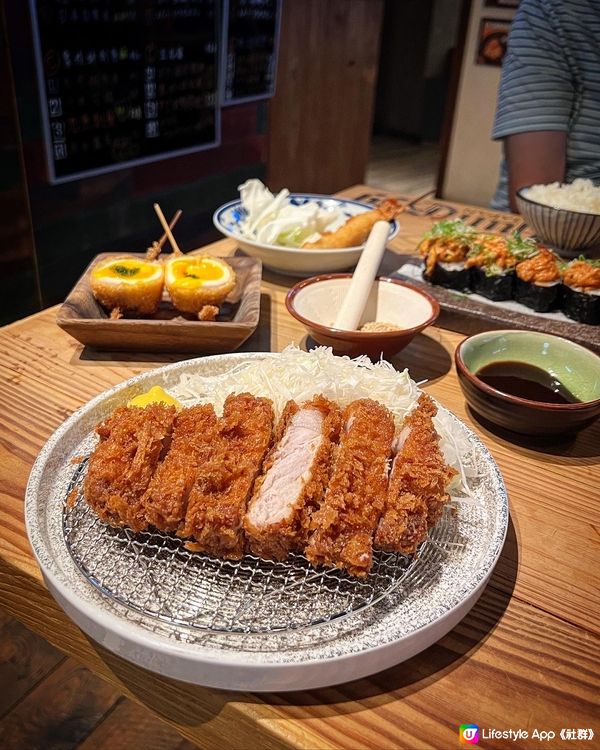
[[417, 43], [72, 222], [313, 135]]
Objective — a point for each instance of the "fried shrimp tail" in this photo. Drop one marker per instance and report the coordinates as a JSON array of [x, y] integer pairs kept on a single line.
[[356, 230]]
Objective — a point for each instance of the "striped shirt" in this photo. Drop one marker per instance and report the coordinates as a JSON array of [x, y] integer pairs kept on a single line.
[[551, 81]]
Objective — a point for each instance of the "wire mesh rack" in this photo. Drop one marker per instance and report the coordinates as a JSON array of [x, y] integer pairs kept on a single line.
[[153, 573]]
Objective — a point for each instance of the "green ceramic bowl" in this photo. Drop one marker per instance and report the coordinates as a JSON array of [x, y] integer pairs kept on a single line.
[[577, 368]]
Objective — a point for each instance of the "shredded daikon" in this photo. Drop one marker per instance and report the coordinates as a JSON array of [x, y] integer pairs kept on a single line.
[[299, 375]]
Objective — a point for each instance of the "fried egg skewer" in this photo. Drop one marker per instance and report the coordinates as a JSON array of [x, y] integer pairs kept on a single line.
[[131, 285]]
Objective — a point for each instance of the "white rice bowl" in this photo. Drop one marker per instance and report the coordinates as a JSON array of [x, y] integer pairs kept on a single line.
[[581, 195]]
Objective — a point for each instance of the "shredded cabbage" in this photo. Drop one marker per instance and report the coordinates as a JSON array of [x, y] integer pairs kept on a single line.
[[272, 219], [299, 375]]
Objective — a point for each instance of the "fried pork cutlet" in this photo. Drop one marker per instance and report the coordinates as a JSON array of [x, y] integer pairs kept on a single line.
[[131, 446], [217, 503], [294, 478], [417, 487], [355, 498], [166, 499]]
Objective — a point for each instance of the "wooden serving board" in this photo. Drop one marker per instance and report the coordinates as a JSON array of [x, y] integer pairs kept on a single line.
[[167, 330]]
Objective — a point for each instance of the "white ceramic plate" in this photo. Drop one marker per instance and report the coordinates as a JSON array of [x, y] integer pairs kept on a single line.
[[422, 604], [290, 260]]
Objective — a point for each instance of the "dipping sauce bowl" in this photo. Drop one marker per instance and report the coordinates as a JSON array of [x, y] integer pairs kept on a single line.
[[576, 368]]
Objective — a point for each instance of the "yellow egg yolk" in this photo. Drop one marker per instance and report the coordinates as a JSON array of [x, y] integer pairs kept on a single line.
[[191, 272], [156, 395], [127, 269]]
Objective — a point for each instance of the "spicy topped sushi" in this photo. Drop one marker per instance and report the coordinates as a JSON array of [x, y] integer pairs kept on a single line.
[[537, 280], [445, 249], [581, 290], [492, 262]]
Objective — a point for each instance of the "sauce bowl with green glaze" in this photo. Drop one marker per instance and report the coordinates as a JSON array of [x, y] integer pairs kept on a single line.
[[574, 366]]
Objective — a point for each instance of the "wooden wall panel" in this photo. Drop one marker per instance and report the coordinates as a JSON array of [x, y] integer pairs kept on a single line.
[[320, 118]]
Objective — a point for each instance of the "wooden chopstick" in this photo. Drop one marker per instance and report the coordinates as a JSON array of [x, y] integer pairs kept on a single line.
[[165, 226]]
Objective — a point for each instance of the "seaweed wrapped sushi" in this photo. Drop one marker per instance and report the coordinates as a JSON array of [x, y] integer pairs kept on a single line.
[[492, 262], [581, 290], [537, 280], [445, 249]]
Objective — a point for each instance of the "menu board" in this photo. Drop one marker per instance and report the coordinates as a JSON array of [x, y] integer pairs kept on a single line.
[[250, 44], [125, 82]]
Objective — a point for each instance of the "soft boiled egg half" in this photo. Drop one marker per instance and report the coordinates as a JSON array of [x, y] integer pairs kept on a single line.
[[129, 284], [196, 281]]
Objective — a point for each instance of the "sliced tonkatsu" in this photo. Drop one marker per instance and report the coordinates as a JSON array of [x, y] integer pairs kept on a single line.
[[132, 443], [166, 499], [355, 498], [294, 478], [417, 489], [217, 503]]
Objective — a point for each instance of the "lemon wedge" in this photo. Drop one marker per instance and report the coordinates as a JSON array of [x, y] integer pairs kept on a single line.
[[156, 395]]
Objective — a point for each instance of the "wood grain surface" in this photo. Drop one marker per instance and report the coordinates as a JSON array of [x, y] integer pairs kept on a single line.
[[527, 655]]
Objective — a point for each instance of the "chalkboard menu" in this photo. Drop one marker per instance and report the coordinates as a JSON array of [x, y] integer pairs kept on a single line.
[[251, 39], [125, 81]]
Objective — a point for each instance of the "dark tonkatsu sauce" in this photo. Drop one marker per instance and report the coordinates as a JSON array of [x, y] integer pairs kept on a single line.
[[526, 381]]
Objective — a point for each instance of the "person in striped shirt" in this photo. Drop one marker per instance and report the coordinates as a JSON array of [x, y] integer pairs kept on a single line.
[[548, 111]]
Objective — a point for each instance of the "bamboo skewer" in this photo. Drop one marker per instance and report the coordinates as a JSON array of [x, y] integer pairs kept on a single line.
[[165, 226], [153, 251]]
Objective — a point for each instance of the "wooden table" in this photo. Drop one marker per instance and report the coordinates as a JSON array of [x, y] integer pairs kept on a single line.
[[526, 657]]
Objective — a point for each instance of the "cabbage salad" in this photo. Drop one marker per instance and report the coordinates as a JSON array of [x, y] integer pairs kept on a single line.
[[273, 220]]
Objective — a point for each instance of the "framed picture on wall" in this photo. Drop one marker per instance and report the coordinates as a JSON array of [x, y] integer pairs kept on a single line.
[[493, 38]]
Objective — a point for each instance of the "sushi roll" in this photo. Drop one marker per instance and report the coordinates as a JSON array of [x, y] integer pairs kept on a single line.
[[492, 262], [581, 290], [537, 281], [445, 249]]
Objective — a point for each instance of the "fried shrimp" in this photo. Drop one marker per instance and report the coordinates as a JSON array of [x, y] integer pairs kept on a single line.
[[356, 230], [355, 498], [132, 441], [417, 488]]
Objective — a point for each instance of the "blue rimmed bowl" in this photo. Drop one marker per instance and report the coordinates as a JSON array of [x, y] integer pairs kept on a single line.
[[569, 232], [291, 260]]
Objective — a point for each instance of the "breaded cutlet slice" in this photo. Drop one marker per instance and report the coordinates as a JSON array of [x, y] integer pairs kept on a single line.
[[217, 503], [131, 445], [166, 499], [417, 488], [294, 478], [355, 498]]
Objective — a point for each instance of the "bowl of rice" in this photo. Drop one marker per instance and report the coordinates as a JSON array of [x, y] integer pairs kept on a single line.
[[564, 216]]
